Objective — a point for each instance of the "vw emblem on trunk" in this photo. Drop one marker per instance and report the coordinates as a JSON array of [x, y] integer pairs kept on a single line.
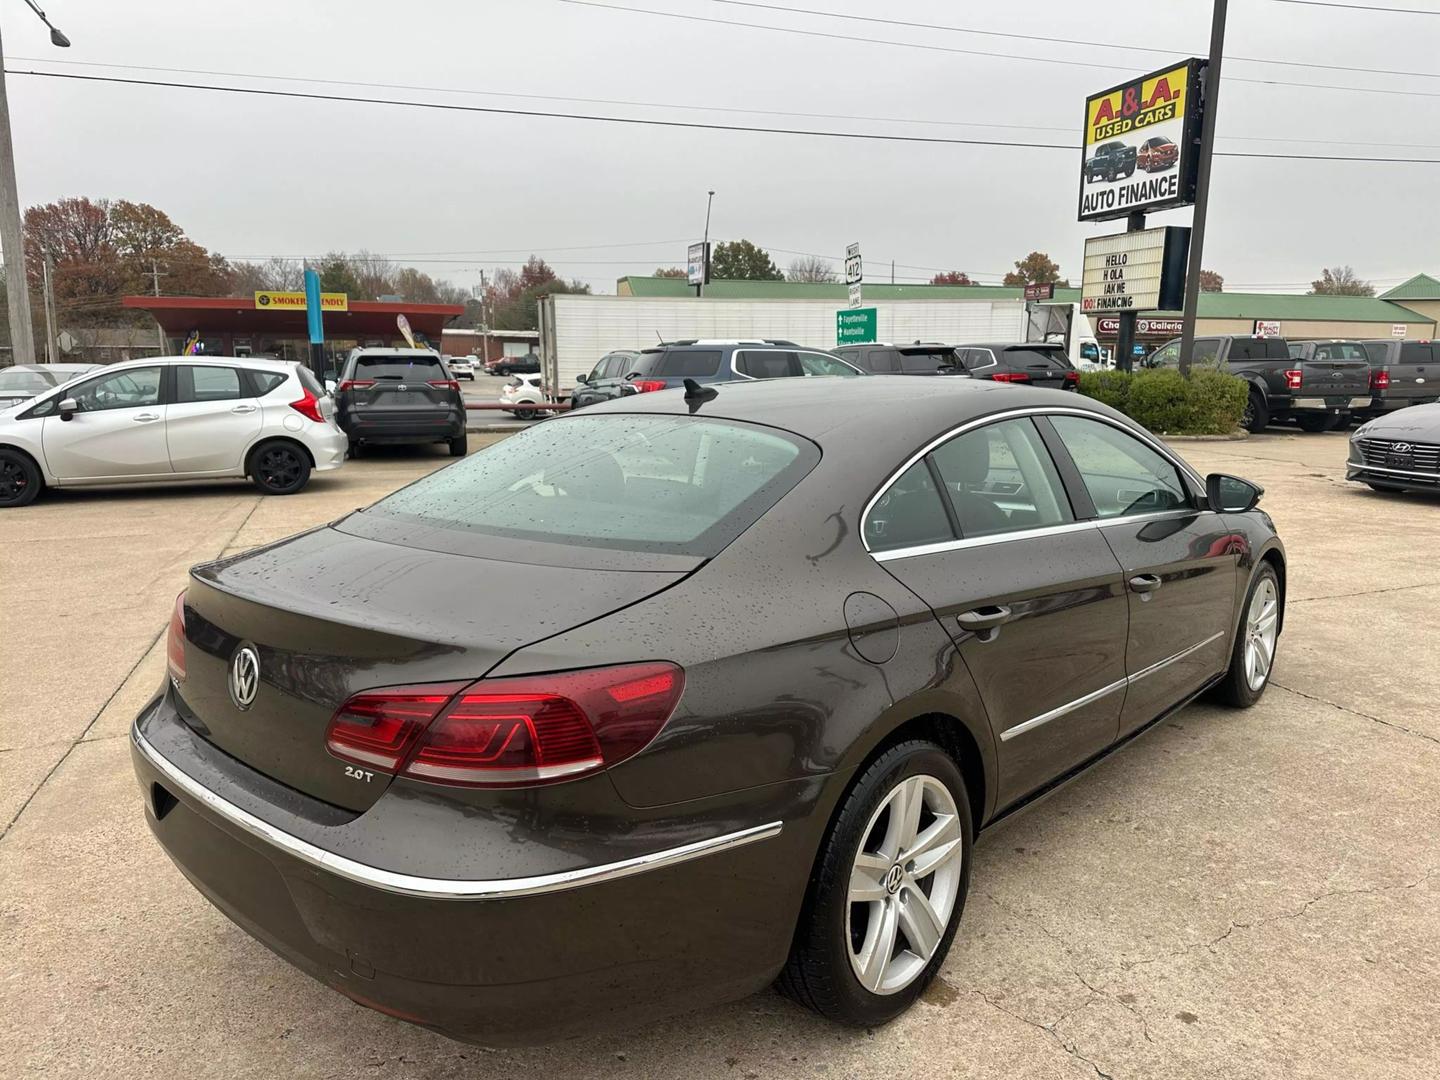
[[1400, 448], [244, 677]]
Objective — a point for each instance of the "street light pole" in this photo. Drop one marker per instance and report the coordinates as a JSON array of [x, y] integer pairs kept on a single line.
[[12, 240], [705, 248], [1191, 314]]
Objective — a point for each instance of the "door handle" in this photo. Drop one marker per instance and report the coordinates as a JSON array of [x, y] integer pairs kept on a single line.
[[243, 409], [984, 618], [1145, 583], [145, 417]]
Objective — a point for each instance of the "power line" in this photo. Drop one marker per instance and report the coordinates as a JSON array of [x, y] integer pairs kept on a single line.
[[685, 124], [1362, 7], [967, 52], [1063, 41], [676, 106]]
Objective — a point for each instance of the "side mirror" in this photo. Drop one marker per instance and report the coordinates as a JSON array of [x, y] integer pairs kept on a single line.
[[1230, 494], [582, 378], [67, 408]]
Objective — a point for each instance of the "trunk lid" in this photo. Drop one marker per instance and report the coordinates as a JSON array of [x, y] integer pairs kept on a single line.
[[330, 614], [1334, 378]]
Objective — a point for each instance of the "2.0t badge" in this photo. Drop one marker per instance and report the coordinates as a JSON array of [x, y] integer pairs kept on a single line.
[[244, 676]]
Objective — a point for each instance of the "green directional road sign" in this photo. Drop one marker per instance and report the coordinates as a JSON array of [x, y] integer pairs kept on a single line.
[[855, 326]]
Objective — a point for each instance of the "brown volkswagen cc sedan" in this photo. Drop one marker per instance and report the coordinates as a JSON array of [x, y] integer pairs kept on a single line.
[[651, 706]]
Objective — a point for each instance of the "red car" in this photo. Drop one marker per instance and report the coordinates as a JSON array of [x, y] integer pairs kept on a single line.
[[1157, 154]]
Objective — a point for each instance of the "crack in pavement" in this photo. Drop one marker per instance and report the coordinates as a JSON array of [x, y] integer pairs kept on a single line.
[[1069, 1047], [1356, 712], [1305, 906], [113, 694], [1365, 592]]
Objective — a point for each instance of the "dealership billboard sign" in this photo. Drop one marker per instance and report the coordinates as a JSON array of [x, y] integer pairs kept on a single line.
[[1135, 271], [696, 264], [1110, 326], [1141, 144]]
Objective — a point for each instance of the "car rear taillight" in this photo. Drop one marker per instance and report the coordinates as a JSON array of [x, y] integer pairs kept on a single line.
[[175, 640], [533, 729], [378, 728], [445, 384], [1072, 378], [1010, 376], [1292, 378], [356, 384], [1379, 380], [648, 386], [309, 407]]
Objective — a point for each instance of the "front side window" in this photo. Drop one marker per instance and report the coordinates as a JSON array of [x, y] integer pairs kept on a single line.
[[1000, 478], [121, 390], [909, 514], [821, 364], [1167, 355], [1121, 473], [196, 383], [666, 484]]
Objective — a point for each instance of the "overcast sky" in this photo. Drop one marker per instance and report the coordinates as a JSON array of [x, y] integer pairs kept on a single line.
[[253, 177]]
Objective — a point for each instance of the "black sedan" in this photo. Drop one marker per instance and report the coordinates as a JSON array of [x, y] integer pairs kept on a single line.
[[763, 664], [1398, 451]]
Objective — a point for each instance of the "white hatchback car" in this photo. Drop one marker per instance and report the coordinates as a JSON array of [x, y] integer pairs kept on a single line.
[[520, 391], [172, 418], [462, 367]]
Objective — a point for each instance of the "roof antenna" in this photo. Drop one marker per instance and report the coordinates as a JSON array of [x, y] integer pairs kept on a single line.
[[696, 395], [660, 336]]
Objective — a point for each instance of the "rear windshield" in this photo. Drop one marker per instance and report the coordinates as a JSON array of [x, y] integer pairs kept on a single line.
[[679, 363], [398, 367], [927, 361], [27, 382], [1028, 359], [667, 484]]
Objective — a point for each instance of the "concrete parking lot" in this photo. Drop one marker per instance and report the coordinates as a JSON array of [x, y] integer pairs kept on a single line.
[[1238, 894]]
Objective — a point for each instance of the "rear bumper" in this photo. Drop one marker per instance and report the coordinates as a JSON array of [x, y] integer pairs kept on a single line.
[[507, 961], [1329, 404], [328, 449], [412, 428]]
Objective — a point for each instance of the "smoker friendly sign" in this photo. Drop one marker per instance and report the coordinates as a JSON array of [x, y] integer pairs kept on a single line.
[[1140, 144]]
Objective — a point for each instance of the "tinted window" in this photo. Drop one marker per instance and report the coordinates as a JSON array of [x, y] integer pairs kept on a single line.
[[122, 390], [1276, 349], [309, 382], [265, 381], [421, 368], [769, 364], [910, 513], [206, 383], [679, 485], [820, 364], [1000, 478], [976, 358], [925, 361], [1122, 474], [1412, 352], [1251, 349], [880, 360], [1032, 359], [1297, 350], [1207, 351], [1378, 351], [680, 363]]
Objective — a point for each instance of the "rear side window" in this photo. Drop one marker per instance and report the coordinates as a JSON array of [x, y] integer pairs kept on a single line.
[[767, 364], [910, 513], [680, 363], [667, 484], [1413, 352], [880, 360], [1379, 351], [421, 368], [974, 359], [1276, 349], [197, 383], [309, 382], [1000, 478], [925, 361], [265, 381], [823, 364]]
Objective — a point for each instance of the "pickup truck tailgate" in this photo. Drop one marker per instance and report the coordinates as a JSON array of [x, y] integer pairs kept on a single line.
[[1332, 378]]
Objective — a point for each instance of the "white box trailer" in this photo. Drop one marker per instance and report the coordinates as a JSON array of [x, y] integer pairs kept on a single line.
[[576, 329]]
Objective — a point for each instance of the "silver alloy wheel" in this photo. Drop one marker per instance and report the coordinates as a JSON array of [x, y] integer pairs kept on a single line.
[[903, 884], [1262, 626]]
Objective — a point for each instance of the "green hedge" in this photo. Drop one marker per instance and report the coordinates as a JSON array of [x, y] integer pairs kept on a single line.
[[1208, 403]]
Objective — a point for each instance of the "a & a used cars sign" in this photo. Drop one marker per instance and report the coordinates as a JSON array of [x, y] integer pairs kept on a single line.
[[1141, 144]]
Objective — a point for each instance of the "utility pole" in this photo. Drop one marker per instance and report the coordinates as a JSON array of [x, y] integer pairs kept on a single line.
[[17, 288], [892, 271], [1202, 188], [155, 276], [705, 248], [49, 294]]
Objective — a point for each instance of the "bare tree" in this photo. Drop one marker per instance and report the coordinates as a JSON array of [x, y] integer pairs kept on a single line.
[[1341, 281], [809, 268]]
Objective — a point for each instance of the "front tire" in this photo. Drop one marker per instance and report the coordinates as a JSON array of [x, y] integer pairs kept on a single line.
[[279, 468], [1256, 639], [1315, 423], [20, 479], [887, 889]]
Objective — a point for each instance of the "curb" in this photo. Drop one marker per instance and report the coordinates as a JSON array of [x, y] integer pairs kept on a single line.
[[1234, 436]]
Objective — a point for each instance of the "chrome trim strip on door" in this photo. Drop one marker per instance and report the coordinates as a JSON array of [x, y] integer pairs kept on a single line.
[[439, 888], [1025, 534], [1039, 410], [1096, 695], [1053, 714]]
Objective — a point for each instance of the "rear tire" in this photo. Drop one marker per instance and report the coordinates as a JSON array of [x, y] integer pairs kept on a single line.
[[357, 448], [1317, 422], [459, 446], [838, 935], [279, 467], [20, 479], [1257, 416], [1244, 680], [526, 414]]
